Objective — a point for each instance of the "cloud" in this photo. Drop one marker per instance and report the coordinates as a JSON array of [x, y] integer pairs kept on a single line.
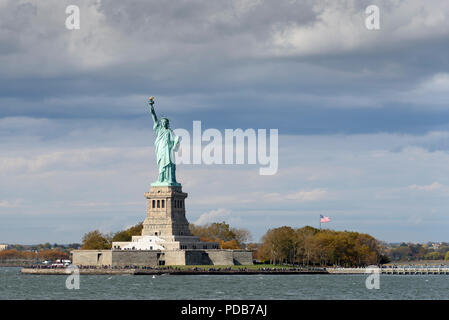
[[308, 195], [314, 60], [70, 160], [213, 216], [431, 187], [336, 174], [437, 83], [431, 92], [360, 113], [104, 204], [10, 204], [339, 27], [299, 196]]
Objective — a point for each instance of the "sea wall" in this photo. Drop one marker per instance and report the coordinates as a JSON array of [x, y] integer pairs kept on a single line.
[[242, 257], [121, 258], [221, 257], [92, 257], [152, 258], [62, 271], [175, 258], [116, 258]]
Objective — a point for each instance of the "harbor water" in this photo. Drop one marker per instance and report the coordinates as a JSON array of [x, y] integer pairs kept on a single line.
[[14, 285]]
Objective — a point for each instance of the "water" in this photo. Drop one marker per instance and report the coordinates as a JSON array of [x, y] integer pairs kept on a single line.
[[14, 285]]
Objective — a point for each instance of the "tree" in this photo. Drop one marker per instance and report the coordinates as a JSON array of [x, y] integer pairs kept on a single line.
[[278, 245], [242, 236], [306, 247], [222, 233], [254, 247], [126, 235], [443, 248], [46, 245], [231, 244], [400, 253], [122, 236], [433, 256], [95, 240], [309, 245], [52, 255], [446, 256]]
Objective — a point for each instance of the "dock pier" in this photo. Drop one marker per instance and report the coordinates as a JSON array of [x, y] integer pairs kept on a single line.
[[397, 270]]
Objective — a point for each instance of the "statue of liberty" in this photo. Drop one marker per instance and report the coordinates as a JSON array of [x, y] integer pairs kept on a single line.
[[166, 143]]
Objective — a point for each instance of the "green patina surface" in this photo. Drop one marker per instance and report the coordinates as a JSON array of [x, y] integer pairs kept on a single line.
[[166, 143]]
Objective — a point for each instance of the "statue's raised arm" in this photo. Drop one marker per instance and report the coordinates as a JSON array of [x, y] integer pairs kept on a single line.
[[153, 113]]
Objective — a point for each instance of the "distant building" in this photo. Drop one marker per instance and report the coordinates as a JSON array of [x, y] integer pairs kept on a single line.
[[3, 246], [435, 246]]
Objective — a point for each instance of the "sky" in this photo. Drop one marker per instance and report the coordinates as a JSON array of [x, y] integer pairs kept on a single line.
[[362, 115]]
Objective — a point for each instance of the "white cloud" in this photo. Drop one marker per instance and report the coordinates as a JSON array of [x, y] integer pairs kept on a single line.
[[10, 204], [340, 27], [20, 123], [337, 28], [70, 160], [437, 83], [112, 32], [431, 187], [431, 92], [308, 195], [213, 216], [105, 204]]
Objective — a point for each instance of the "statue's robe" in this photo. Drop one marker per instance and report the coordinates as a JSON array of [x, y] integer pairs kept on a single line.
[[166, 142]]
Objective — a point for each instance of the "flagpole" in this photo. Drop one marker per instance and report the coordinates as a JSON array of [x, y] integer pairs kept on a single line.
[[320, 222]]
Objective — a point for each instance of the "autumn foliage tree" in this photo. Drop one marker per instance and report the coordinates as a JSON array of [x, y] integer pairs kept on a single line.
[[221, 232], [226, 236], [417, 251], [126, 235], [310, 246], [51, 255], [95, 240], [13, 254], [278, 245]]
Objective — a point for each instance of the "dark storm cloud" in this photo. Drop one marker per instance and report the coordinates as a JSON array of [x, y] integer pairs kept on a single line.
[[303, 67]]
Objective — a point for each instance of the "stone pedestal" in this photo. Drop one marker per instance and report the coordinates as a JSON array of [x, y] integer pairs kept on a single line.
[[165, 239], [166, 214], [166, 219]]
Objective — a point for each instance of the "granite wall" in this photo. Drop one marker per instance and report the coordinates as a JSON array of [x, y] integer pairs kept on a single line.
[[122, 258]]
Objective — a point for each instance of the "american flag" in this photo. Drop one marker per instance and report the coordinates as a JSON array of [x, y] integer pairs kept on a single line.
[[324, 219]]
